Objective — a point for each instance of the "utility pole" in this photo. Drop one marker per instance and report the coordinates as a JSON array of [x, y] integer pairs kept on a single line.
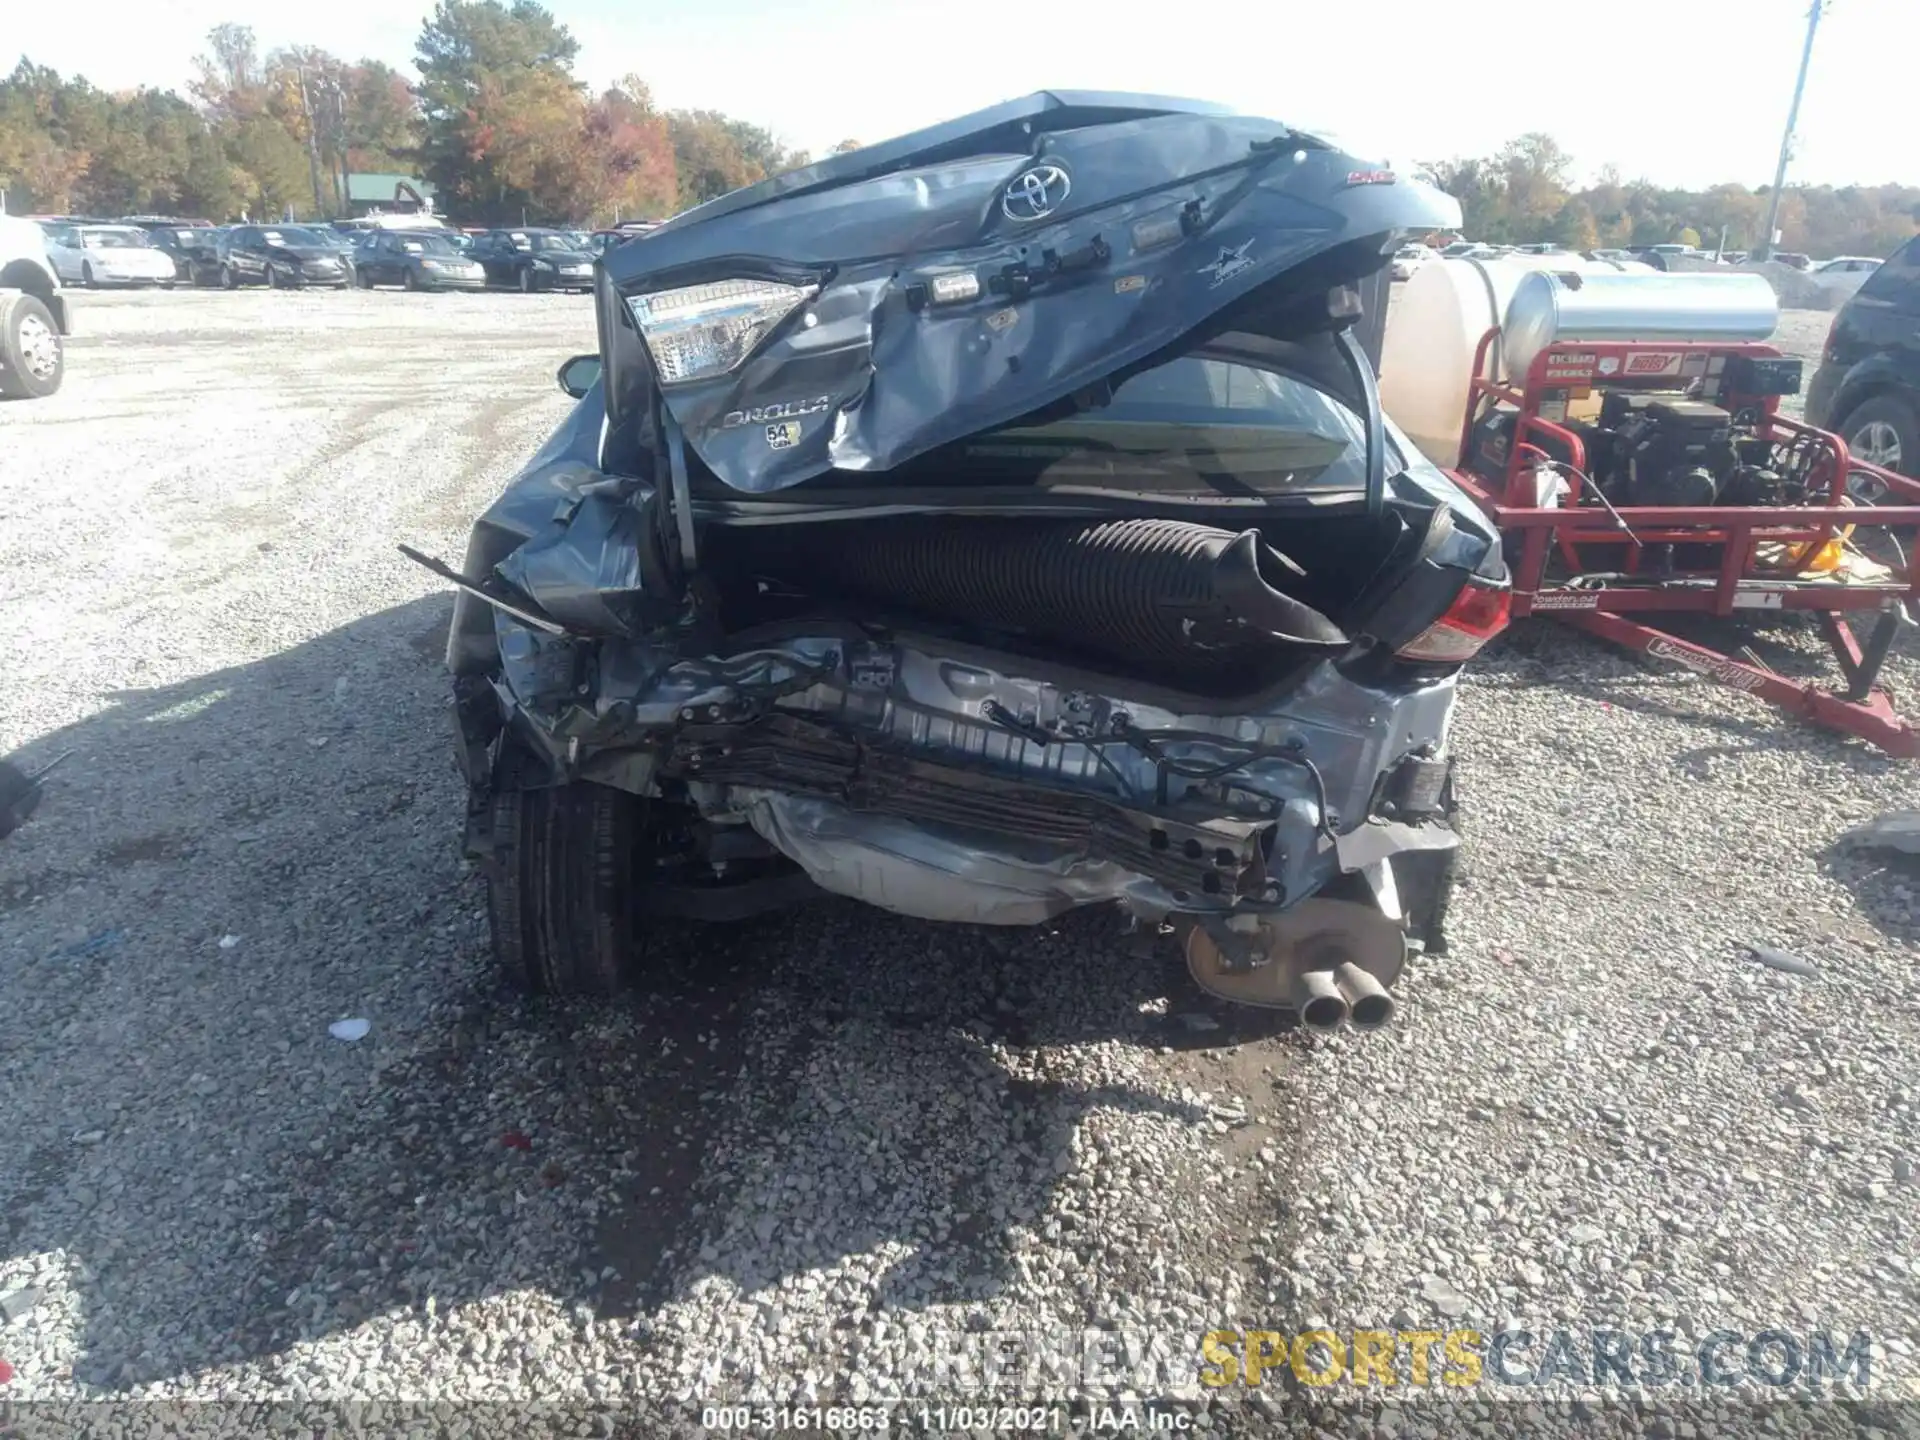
[[313, 143], [1793, 120], [333, 104]]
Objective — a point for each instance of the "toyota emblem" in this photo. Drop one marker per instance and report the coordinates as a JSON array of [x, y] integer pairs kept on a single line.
[[1035, 194]]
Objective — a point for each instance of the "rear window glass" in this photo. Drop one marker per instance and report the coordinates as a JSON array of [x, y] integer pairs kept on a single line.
[[1201, 425], [1899, 278]]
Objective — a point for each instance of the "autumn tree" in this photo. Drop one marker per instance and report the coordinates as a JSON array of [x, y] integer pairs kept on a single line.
[[1533, 171], [1478, 188], [230, 77], [501, 110], [716, 153], [630, 152]]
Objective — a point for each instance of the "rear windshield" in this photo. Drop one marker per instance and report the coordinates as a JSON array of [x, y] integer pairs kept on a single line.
[[116, 239], [427, 245], [1197, 425], [1209, 428]]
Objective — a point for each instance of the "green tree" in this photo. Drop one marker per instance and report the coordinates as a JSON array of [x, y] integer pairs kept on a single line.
[[381, 118], [1575, 225], [1533, 171], [209, 186], [269, 168], [708, 156], [500, 107]]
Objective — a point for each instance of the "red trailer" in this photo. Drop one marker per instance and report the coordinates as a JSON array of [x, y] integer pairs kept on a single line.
[[1540, 456]]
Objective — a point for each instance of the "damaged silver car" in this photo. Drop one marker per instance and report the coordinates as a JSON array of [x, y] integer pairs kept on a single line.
[[986, 523]]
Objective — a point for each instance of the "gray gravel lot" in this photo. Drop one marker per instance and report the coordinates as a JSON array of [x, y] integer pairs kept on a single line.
[[820, 1141]]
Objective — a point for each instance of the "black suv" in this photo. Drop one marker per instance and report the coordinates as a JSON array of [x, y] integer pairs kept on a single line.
[[1867, 389]]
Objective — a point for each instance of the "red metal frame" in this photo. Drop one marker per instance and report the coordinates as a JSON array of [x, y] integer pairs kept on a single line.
[[1572, 532]]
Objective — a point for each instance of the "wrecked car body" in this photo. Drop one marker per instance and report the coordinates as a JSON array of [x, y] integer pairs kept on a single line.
[[988, 523]]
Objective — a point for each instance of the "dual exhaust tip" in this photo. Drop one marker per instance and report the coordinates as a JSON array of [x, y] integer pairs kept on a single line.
[[1346, 994], [1328, 961]]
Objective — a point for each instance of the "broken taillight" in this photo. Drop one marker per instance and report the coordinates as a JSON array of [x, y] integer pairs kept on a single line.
[[1478, 613]]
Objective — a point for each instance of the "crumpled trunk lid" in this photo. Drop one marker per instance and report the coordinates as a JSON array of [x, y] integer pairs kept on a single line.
[[1085, 251]]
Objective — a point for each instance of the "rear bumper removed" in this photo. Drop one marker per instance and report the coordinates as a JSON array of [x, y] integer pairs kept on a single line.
[[955, 784]]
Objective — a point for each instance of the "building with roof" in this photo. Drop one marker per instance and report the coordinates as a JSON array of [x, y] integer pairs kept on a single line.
[[388, 195]]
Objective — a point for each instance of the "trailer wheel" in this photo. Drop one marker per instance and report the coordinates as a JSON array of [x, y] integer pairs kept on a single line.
[[32, 358], [560, 887], [1883, 431]]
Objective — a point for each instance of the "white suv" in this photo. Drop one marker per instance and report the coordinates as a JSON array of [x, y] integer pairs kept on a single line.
[[33, 313]]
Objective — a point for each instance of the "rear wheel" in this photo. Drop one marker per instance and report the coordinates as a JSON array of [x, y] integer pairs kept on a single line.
[[273, 278], [407, 279], [32, 359], [86, 277], [228, 280], [560, 887]]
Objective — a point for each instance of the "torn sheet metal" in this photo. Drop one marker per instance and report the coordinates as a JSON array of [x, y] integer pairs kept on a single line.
[[586, 568], [1082, 255]]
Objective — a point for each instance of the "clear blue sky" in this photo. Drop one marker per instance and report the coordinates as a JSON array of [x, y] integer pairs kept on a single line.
[[1686, 93]]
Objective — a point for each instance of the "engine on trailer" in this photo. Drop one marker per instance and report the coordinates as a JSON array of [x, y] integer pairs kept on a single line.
[[1652, 449], [1649, 449]]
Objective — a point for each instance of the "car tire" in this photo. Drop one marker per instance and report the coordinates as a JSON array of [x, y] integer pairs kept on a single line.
[[228, 280], [526, 282], [32, 358], [363, 279], [1884, 431], [86, 278], [273, 278], [408, 281], [166, 284], [560, 887]]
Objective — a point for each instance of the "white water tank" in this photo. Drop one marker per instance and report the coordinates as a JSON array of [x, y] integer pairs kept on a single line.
[[1434, 325], [1546, 308]]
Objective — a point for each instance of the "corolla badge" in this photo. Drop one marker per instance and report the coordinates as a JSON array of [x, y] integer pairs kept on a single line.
[[1036, 193]]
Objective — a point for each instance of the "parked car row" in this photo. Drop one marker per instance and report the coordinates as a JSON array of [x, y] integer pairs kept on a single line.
[[168, 253], [1839, 277]]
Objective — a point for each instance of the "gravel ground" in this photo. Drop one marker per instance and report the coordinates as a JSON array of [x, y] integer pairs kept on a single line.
[[819, 1144]]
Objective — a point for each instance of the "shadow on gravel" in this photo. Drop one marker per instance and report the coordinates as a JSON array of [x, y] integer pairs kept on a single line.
[[228, 864], [1885, 885]]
